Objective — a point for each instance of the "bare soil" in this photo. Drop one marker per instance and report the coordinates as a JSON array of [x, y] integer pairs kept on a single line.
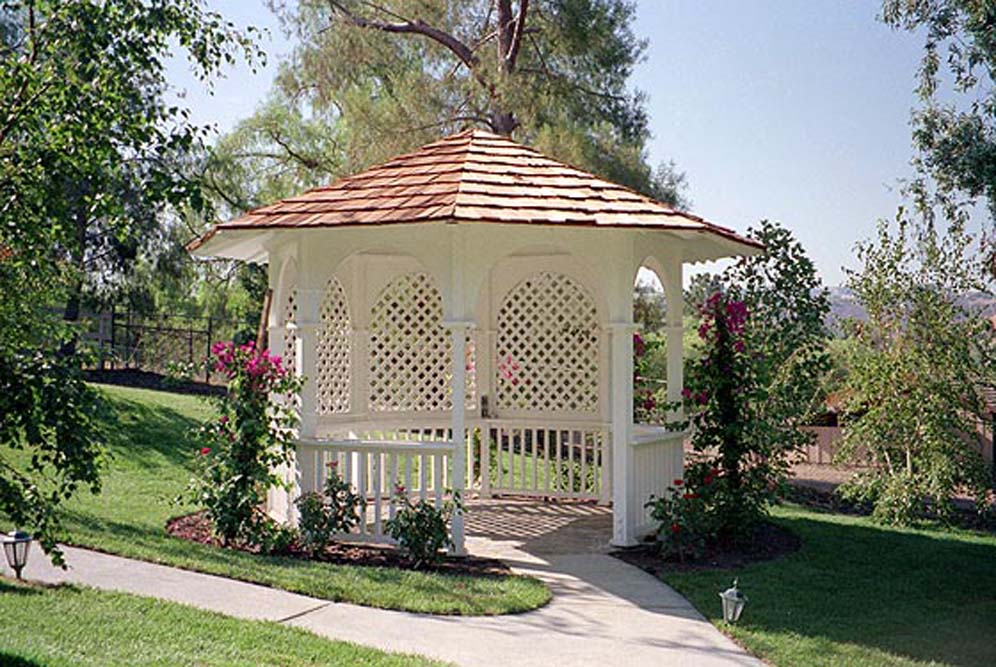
[[197, 528]]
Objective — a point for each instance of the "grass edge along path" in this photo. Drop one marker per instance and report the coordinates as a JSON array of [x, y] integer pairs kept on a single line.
[[69, 625], [151, 462], [858, 594]]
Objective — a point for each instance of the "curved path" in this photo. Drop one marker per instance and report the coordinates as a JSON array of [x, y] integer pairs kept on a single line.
[[603, 612]]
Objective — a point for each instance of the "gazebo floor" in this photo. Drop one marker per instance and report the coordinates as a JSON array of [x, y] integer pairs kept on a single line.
[[537, 526]]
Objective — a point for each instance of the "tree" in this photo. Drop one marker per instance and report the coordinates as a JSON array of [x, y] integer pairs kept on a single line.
[[915, 370], [90, 154], [92, 151], [956, 139], [393, 75]]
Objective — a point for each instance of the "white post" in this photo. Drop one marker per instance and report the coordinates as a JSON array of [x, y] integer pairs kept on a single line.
[[458, 336], [623, 530], [675, 300], [306, 365]]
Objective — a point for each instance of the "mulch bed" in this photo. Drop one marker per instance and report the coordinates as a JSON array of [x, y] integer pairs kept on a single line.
[[132, 377], [197, 528], [768, 543]]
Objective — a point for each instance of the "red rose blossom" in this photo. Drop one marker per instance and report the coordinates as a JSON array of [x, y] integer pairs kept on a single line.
[[678, 482], [205, 451], [675, 528]]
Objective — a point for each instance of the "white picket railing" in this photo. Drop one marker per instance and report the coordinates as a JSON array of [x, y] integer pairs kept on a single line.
[[548, 459], [374, 467], [544, 458]]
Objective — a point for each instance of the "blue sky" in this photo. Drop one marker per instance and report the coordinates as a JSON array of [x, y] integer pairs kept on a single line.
[[793, 110]]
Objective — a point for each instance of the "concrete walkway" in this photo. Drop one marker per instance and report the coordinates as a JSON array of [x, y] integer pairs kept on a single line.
[[603, 612]]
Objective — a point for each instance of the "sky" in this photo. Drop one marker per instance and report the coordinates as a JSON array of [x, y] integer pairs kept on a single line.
[[791, 110]]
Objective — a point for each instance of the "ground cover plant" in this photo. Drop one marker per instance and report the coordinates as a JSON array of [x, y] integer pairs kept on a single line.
[[860, 594], [85, 627], [152, 459]]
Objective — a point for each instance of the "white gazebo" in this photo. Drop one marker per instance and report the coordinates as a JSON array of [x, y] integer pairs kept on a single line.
[[463, 315]]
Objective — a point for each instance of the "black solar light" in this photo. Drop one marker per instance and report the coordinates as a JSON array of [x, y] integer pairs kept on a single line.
[[15, 547]]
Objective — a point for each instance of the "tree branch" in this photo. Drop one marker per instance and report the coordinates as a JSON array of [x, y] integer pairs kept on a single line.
[[412, 27]]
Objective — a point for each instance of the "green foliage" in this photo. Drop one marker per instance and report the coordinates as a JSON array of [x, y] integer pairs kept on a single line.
[[92, 154], [916, 367], [686, 525], [245, 447], [420, 529], [954, 129], [758, 378], [322, 516], [91, 157], [50, 440]]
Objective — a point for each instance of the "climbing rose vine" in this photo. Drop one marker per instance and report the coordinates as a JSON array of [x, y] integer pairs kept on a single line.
[[241, 452]]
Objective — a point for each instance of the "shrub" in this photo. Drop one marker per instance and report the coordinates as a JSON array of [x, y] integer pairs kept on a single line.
[[321, 516], [916, 365], [241, 450], [685, 524], [420, 529]]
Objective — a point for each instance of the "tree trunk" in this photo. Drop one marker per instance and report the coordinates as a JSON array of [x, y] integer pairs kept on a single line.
[[504, 122]]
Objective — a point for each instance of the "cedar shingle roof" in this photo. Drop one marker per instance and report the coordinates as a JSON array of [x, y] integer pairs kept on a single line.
[[473, 176]]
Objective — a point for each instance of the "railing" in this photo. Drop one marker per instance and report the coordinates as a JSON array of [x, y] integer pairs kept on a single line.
[[550, 459], [373, 467], [543, 458]]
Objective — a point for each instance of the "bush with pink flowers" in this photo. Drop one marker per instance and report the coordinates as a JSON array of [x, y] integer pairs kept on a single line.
[[241, 451], [748, 394]]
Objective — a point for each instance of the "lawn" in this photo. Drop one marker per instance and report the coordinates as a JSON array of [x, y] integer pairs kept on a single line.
[[151, 463], [860, 595], [83, 627]]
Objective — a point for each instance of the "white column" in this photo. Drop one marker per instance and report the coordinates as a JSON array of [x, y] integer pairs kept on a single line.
[[623, 530], [458, 336], [674, 296], [674, 328], [306, 364]]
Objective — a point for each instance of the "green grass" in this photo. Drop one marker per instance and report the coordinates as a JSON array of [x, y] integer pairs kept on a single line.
[[152, 460], [860, 595], [75, 626]]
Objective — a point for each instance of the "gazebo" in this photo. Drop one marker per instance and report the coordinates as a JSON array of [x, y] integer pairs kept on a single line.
[[463, 315]]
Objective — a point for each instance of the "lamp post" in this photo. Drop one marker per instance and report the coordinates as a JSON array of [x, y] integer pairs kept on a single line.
[[734, 602], [15, 548]]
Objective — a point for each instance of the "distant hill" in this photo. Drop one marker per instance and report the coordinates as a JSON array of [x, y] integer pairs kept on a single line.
[[843, 305]]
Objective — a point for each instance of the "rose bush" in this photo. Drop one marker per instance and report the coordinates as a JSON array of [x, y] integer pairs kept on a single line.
[[243, 449]]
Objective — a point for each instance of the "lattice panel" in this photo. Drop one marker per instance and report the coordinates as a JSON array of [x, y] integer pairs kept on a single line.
[[547, 347], [334, 350], [410, 349]]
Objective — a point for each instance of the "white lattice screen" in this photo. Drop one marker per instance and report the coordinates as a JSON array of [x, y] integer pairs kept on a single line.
[[334, 350], [547, 347], [410, 349]]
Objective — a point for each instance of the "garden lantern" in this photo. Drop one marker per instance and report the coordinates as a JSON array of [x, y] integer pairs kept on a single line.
[[15, 548], [734, 602]]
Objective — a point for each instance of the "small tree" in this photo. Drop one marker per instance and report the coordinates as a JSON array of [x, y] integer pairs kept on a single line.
[[758, 377], [916, 367], [243, 449]]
